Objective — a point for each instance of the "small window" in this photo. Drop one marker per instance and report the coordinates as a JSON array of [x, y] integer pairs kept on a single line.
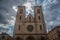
[[19, 27], [40, 27], [39, 17], [59, 36], [53, 39], [38, 10], [20, 17], [3, 37], [21, 10], [29, 19]]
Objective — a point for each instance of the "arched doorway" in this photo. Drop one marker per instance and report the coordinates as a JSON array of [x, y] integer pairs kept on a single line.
[[42, 38], [30, 38], [18, 38]]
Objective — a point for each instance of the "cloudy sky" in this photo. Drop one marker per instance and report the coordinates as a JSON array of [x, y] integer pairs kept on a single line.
[[8, 11]]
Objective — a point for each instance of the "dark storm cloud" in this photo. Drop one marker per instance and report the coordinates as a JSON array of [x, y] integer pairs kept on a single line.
[[2, 19], [7, 13], [6, 9], [1, 0]]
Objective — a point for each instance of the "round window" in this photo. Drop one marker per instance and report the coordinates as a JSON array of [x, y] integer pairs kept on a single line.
[[30, 28]]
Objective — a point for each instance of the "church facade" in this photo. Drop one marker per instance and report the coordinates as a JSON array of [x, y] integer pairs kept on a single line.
[[30, 28]]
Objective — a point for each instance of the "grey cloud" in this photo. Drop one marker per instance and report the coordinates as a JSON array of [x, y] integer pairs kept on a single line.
[[2, 19], [1, 0], [4, 29], [6, 7], [6, 11], [51, 13], [54, 6]]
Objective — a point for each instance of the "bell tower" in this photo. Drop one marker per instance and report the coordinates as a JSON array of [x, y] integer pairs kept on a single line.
[[38, 14], [20, 18], [39, 18]]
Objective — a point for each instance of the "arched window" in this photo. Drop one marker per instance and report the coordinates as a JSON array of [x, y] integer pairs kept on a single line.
[[39, 17], [29, 19], [38, 10], [30, 28], [3, 37], [40, 27], [30, 38], [20, 17], [19, 27], [21, 10]]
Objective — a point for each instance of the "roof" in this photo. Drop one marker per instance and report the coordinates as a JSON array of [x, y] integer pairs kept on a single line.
[[54, 28], [6, 34]]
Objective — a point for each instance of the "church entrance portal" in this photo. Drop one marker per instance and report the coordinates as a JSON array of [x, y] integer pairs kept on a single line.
[[30, 38], [18, 38]]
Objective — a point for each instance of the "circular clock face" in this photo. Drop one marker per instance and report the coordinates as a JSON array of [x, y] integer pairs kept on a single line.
[[30, 28]]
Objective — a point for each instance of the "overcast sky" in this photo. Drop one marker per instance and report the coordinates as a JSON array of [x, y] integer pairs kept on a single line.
[[8, 11]]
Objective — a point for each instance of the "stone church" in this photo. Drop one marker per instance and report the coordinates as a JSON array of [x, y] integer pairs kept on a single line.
[[30, 27]]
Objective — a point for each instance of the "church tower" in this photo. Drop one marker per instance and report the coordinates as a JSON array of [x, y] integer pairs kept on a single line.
[[30, 28], [41, 28]]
